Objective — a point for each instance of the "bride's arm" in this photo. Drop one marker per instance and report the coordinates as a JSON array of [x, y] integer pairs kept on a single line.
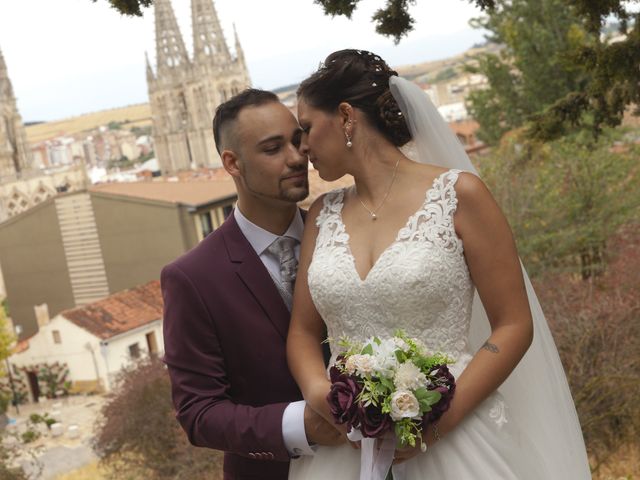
[[306, 330], [495, 269], [493, 262]]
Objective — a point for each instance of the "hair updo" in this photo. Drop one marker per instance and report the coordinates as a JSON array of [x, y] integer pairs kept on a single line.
[[361, 79]]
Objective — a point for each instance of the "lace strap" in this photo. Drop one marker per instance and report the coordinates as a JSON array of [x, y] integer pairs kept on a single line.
[[331, 204], [330, 228]]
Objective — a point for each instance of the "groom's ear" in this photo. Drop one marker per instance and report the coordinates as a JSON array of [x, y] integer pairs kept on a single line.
[[230, 162]]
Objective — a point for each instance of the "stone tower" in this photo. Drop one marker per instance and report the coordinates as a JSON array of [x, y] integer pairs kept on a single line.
[[15, 155], [184, 92]]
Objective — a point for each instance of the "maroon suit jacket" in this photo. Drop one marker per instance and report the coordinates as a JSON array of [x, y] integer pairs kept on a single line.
[[225, 328]]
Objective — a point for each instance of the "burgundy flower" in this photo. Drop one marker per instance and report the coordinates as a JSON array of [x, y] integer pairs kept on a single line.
[[373, 423], [342, 396], [445, 383]]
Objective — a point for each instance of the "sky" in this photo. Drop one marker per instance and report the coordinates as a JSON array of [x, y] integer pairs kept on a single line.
[[68, 57]]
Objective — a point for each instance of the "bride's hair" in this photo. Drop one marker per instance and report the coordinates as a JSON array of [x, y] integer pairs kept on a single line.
[[361, 79]]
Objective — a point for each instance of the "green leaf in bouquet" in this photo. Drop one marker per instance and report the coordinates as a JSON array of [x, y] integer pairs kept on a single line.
[[428, 397], [377, 340], [367, 350], [401, 356], [387, 383]]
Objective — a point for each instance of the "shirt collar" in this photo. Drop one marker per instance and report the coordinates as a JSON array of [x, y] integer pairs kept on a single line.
[[259, 238]]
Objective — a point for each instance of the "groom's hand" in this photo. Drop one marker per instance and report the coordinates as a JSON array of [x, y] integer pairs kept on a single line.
[[319, 431]]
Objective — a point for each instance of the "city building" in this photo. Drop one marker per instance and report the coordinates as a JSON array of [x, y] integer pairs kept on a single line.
[[184, 91], [77, 248], [91, 343]]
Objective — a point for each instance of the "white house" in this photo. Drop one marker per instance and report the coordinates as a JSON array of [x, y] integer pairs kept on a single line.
[[94, 341]]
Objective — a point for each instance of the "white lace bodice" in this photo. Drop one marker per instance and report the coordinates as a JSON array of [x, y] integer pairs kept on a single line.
[[420, 283]]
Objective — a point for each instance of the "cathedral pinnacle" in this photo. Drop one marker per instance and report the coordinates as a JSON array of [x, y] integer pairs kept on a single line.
[[209, 45], [170, 50]]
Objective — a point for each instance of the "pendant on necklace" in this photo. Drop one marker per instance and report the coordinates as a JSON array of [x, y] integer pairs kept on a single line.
[[373, 216]]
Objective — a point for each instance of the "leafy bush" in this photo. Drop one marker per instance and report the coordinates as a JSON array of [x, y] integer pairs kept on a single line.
[[573, 206], [138, 435], [54, 377], [7, 472], [596, 325], [30, 435]]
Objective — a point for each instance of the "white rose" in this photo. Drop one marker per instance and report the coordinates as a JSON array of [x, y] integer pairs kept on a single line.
[[362, 364], [409, 377], [404, 405]]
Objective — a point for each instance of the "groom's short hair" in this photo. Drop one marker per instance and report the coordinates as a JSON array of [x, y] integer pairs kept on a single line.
[[227, 112]]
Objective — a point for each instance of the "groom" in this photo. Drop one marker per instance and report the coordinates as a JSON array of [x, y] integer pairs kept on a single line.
[[227, 302]]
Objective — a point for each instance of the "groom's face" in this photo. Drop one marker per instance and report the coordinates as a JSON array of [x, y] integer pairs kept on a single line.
[[271, 167]]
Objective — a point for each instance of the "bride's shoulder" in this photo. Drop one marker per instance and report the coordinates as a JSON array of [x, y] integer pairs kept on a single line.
[[325, 200]]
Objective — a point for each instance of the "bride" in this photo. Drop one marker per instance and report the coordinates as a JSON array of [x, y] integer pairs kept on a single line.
[[408, 247]]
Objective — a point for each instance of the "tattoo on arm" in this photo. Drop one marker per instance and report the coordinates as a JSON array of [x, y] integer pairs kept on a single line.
[[491, 347]]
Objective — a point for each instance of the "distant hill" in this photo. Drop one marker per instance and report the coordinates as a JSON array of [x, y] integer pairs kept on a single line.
[[130, 116]]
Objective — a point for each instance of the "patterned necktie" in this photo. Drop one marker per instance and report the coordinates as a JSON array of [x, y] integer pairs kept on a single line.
[[283, 248]]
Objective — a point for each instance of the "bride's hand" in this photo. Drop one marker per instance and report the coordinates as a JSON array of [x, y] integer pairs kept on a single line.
[[430, 438]]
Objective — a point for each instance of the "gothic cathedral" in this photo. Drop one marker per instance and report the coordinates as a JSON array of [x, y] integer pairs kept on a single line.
[[15, 155], [184, 92]]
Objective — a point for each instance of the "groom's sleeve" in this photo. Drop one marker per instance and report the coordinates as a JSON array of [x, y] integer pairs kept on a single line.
[[199, 384]]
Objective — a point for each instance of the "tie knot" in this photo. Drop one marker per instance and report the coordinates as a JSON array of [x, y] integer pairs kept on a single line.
[[283, 247]]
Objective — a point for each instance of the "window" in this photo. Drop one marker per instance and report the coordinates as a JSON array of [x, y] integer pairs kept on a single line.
[[56, 336], [205, 223], [134, 350]]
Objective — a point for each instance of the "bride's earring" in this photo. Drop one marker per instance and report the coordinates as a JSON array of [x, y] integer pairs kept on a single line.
[[347, 133]]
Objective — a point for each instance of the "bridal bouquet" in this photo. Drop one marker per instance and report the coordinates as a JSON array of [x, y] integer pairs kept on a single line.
[[390, 384]]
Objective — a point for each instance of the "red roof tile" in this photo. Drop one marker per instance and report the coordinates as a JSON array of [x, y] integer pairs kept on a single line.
[[121, 312]]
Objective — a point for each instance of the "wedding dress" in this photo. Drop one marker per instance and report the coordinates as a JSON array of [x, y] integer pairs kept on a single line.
[[528, 428], [420, 284]]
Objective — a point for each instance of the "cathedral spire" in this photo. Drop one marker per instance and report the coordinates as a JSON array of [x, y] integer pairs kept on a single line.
[[150, 76], [238, 47], [3, 66], [209, 45], [6, 90], [170, 50]]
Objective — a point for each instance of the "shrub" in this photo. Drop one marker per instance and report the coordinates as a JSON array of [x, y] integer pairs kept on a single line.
[[138, 435], [596, 325]]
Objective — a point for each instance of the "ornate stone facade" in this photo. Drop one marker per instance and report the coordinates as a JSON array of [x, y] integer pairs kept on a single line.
[[15, 155], [184, 92], [35, 186]]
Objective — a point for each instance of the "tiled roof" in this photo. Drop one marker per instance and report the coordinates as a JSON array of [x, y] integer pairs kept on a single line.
[[188, 191], [119, 313]]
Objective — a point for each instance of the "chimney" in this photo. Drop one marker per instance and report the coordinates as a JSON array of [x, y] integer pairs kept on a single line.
[[42, 314]]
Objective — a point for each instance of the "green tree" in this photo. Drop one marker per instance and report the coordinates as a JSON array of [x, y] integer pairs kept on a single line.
[[7, 337], [532, 71], [566, 199]]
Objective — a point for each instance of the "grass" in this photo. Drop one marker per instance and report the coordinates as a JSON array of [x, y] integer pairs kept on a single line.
[[623, 465], [134, 115]]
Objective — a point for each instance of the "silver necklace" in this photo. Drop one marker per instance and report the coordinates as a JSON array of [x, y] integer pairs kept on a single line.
[[373, 212]]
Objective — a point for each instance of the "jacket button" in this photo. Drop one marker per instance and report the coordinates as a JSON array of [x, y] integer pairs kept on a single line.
[[252, 455]]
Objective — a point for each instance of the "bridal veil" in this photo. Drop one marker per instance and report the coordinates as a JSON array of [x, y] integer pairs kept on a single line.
[[536, 392]]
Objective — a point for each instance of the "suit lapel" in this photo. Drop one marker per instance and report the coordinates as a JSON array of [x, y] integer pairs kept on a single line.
[[255, 276]]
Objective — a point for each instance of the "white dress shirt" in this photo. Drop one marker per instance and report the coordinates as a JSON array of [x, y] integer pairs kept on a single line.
[[295, 438]]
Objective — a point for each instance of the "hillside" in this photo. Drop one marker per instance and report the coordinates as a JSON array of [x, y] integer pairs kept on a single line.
[[130, 116]]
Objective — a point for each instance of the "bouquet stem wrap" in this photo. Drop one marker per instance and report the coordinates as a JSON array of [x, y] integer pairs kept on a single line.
[[376, 460]]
